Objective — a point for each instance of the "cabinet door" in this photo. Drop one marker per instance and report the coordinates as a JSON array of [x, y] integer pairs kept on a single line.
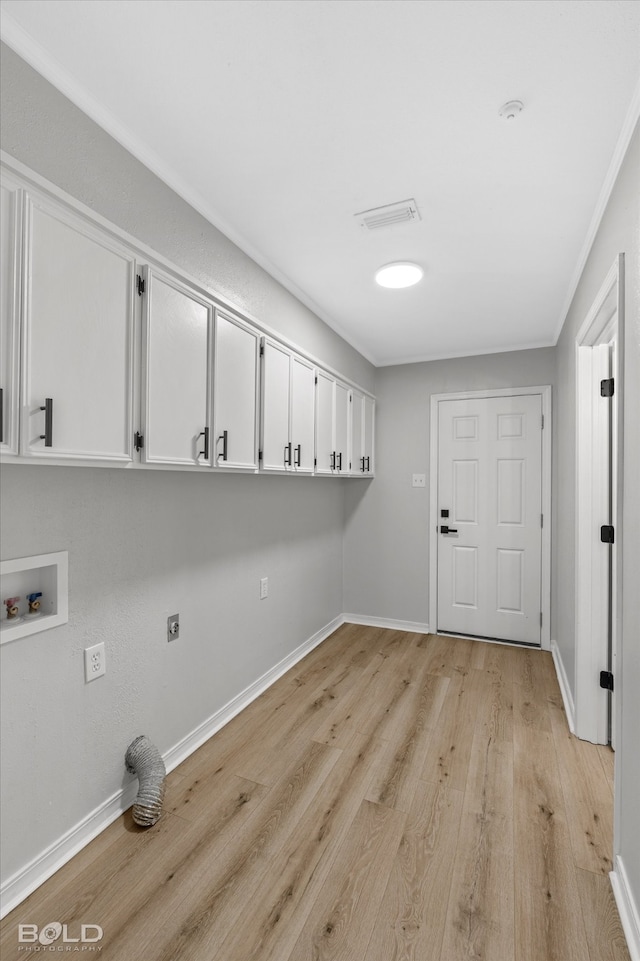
[[341, 432], [276, 395], [325, 450], [78, 339], [9, 314], [177, 335], [235, 399], [302, 413], [358, 461], [368, 433]]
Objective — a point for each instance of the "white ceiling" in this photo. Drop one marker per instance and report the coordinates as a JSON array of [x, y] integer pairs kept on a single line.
[[281, 119]]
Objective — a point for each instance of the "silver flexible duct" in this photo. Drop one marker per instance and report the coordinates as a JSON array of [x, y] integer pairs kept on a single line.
[[143, 759]]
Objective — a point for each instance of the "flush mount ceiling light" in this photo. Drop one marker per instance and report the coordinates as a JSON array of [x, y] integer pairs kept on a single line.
[[401, 274], [511, 109]]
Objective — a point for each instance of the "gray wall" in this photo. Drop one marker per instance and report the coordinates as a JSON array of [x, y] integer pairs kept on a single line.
[[146, 544], [386, 555], [619, 232]]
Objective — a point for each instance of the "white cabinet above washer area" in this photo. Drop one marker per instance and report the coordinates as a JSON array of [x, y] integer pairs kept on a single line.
[[112, 356]]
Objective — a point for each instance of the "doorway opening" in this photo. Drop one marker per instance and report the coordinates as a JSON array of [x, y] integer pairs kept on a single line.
[[598, 510]]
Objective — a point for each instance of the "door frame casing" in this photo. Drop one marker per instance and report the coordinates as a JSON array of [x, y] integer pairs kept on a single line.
[[603, 324], [545, 572]]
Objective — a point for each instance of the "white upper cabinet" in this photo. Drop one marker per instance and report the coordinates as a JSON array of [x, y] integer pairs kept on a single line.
[[177, 331], [78, 338], [303, 395], [10, 211], [288, 390], [362, 432], [368, 434], [332, 425], [341, 443], [236, 396]]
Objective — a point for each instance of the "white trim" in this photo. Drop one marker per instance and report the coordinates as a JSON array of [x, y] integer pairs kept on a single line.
[[185, 747], [33, 182], [545, 582], [563, 684], [16, 888], [36, 56], [413, 627], [619, 153], [627, 908]]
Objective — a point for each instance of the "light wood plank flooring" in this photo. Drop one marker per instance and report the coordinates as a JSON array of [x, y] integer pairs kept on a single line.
[[394, 797]]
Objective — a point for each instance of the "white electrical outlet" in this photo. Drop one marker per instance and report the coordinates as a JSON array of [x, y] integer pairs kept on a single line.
[[264, 588], [94, 662], [419, 480]]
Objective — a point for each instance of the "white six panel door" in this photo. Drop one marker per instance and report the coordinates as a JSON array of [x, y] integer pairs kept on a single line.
[[490, 482]]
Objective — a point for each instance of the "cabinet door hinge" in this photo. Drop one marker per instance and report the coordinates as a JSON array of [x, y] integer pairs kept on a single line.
[[606, 680], [315, 461], [138, 440], [540, 618], [316, 380], [543, 421], [262, 350], [606, 387], [607, 534], [259, 455], [139, 285]]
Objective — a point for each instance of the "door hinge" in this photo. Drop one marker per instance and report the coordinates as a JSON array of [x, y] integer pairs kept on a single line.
[[262, 350], [540, 618], [315, 461], [316, 380], [542, 424], [606, 387], [259, 455], [606, 680], [607, 534], [140, 285], [138, 440], [542, 520]]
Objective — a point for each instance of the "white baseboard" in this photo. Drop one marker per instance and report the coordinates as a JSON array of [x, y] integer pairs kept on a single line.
[[414, 627], [177, 754], [627, 907], [565, 690], [18, 887]]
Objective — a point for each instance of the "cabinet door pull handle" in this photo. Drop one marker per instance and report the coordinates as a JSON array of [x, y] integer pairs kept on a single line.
[[297, 456], [287, 454], [204, 453], [223, 438], [368, 465], [363, 460], [1, 415], [47, 437], [333, 460], [340, 461]]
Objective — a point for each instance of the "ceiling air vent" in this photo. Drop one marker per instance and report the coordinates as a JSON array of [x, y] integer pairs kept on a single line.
[[403, 212]]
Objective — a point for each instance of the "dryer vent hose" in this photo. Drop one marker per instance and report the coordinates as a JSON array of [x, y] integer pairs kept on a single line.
[[143, 759]]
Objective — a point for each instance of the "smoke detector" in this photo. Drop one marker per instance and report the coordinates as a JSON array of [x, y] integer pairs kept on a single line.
[[511, 109], [403, 212]]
